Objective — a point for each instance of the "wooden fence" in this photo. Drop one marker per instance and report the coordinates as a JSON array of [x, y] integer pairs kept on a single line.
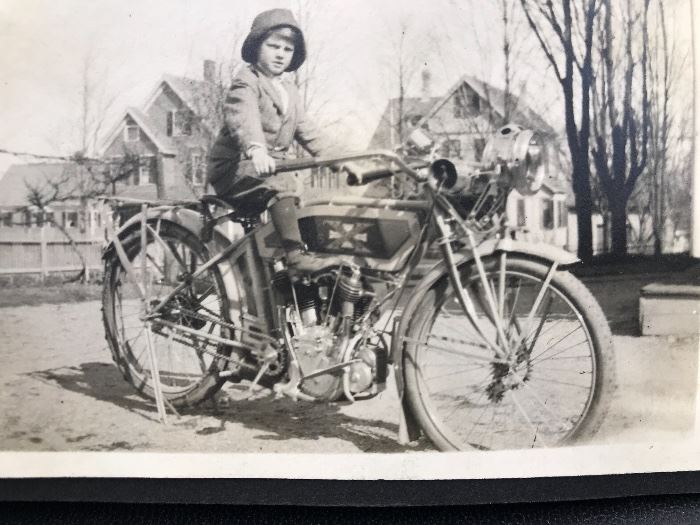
[[45, 250]]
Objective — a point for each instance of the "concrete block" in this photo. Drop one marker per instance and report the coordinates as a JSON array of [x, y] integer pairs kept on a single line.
[[669, 309]]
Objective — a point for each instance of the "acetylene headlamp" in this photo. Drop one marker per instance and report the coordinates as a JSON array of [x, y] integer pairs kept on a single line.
[[523, 153]]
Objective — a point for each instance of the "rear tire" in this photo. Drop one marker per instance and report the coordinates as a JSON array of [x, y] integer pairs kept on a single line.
[[188, 374], [555, 389]]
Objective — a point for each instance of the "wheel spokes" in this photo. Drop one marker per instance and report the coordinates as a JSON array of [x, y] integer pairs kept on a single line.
[[487, 402]]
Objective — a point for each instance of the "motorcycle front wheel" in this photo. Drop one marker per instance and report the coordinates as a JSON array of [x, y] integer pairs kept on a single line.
[[534, 369], [188, 365]]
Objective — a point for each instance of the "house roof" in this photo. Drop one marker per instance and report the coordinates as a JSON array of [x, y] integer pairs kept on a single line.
[[199, 96], [523, 114], [427, 107], [164, 144], [418, 106], [14, 185]]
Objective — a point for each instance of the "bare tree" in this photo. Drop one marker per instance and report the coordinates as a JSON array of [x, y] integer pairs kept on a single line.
[[84, 177], [82, 180], [665, 142], [313, 76], [565, 34], [622, 121], [404, 58]]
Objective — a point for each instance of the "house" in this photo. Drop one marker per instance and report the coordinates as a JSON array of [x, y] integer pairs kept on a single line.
[[170, 135], [462, 121], [18, 218]]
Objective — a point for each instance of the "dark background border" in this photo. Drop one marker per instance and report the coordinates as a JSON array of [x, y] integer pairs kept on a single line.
[[354, 493]]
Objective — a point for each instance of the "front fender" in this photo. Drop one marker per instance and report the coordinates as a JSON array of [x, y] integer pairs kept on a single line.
[[540, 251]]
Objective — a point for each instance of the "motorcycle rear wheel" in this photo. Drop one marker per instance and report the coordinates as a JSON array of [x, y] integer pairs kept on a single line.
[[551, 388], [188, 367]]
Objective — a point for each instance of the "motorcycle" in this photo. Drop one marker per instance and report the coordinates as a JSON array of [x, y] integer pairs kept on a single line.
[[496, 346]]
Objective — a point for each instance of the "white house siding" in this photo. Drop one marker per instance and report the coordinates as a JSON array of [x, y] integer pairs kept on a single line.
[[598, 233], [533, 229]]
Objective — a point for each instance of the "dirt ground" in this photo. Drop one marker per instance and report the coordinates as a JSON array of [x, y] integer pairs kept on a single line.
[[60, 391]]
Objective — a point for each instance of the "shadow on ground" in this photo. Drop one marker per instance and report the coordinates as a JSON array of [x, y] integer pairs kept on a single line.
[[276, 419]]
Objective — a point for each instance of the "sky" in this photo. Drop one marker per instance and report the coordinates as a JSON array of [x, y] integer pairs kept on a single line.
[[353, 45]]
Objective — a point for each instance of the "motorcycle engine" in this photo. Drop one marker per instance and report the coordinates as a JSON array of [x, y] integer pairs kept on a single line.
[[315, 326], [316, 349]]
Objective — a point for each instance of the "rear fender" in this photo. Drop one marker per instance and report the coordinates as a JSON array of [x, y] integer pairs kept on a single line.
[[435, 277], [188, 219], [192, 221]]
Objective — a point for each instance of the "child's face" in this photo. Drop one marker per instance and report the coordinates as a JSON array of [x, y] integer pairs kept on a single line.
[[276, 52]]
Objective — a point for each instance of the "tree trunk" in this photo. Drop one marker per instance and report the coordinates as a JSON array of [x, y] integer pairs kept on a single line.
[[618, 227], [584, 212], [658, 246]]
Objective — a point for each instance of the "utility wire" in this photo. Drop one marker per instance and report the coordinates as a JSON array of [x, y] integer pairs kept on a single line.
[[72, 158]]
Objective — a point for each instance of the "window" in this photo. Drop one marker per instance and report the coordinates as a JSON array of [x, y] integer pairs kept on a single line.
[[27, 219], [147, 170], [179, 123], [547, 214], [452, 148], [196, 169], [70, 219], [475, 103], [562, 219], [459, 108], [6, 219], [131, 133], [466, 104], [479, 145], [413, 120], [522, 218]]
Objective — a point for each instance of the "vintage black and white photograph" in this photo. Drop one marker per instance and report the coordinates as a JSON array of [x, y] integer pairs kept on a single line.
[[348, 233]]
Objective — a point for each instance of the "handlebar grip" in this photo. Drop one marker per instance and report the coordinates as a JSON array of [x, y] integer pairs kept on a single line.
[[355, 179]]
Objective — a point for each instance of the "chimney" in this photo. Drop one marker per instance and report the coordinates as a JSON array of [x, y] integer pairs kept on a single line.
[[209, 72], [425, 77]]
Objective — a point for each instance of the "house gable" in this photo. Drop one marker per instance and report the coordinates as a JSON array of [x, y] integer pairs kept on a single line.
[[149, 142], [481, 99], [462, 119], [162, 106], [201, 98]]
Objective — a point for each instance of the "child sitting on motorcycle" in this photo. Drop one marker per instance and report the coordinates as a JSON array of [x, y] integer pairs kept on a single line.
[[263, 115]]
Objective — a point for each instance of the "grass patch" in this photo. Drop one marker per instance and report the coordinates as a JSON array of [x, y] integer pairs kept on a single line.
[[36, 295], [606, 265]]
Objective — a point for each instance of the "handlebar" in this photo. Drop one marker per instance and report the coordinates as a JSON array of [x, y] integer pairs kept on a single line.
[[388, 157]]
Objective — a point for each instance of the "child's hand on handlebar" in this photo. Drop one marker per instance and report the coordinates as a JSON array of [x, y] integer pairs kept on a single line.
[[262, 162]]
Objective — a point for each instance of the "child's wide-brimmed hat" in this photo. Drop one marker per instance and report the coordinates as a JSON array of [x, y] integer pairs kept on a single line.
[[266, 22]]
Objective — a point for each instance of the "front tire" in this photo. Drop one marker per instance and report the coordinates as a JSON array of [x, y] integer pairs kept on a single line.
[[550, 385]]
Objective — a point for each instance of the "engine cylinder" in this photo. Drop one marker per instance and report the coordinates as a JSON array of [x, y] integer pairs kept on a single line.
[[350, 287]]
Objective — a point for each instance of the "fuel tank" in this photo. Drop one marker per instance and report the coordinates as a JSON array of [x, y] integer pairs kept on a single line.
[[376, 234]]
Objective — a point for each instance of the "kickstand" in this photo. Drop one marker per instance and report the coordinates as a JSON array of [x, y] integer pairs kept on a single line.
[[155, 377], [269, 357]]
